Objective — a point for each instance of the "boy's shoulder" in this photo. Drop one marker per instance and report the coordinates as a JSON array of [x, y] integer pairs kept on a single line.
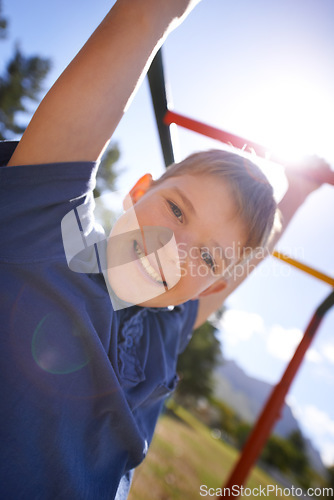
[[7, 148], [33, 201]]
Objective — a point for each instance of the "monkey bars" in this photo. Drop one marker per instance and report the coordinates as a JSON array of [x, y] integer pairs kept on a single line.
[[270, 413]]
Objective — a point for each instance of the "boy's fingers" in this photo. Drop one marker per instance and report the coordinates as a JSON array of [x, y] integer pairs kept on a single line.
[[180, 9], [320, 175], [312, 172]]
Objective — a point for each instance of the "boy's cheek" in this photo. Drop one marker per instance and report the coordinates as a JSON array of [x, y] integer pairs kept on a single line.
[[182, 252], [183, 270], [189, 270]]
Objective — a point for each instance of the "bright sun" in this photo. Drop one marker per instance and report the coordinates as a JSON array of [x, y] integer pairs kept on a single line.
[[292, 118]]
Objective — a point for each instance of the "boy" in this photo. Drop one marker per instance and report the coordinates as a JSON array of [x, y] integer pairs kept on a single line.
[[82, 381]]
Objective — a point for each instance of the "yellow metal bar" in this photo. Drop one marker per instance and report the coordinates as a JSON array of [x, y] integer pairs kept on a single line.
[[304, 267]]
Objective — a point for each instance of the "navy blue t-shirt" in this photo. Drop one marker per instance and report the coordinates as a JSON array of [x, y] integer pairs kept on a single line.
[[82, 385]]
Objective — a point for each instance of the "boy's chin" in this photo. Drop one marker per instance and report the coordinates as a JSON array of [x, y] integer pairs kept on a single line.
[[137, 292]]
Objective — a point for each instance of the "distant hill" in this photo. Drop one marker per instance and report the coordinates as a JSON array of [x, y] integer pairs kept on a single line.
[[247, 395]]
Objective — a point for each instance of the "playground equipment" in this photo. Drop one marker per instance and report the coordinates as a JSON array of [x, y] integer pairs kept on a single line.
[[271, 411]]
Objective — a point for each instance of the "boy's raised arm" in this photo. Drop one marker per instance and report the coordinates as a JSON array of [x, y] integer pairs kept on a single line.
[[79, 114]]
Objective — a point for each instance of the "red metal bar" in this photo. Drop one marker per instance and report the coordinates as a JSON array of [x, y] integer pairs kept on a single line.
[[322, 176], [272, 408], [213, 132]]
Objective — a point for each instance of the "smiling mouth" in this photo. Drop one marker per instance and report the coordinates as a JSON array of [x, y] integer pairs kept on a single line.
[[152, 273]]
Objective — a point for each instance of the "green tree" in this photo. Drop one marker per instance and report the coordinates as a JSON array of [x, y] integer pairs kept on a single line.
[[107, 174], [298, 460], [241, 433], [229, 419], [277, 453], [196, 364], [288, 455], [297, 440], [105, 185], [330, 477], [20, 86], [3, 24]]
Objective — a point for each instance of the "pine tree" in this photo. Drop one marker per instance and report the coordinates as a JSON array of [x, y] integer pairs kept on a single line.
[[3, 24], [196, 364], [20, 86]]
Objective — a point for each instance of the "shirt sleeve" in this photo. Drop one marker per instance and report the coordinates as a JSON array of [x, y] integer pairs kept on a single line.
[[188, 315], [33, 201]]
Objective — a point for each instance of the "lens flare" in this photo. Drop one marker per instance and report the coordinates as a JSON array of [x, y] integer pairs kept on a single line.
[[58, 349]]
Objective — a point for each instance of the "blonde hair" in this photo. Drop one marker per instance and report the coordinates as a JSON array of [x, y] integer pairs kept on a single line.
[[250, 189]]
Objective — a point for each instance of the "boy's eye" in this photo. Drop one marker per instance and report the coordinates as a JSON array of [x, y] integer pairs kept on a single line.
[[208, 260], [176, 211]]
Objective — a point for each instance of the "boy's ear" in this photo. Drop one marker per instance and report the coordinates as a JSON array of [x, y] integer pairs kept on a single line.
[[216, 287], [140, 188]]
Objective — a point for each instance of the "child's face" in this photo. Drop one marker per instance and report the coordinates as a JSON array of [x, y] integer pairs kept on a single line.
[[174, 242]]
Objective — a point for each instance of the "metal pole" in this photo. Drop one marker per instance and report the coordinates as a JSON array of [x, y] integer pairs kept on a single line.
[[272, 408], [156, 80], [303, 267]]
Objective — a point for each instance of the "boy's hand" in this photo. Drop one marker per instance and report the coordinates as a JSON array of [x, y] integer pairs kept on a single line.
[[170, 13], [167, 13], [181, 8], [307, 175]]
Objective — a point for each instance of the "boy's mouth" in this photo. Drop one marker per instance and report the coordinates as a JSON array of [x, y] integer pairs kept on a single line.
[[147, 266]]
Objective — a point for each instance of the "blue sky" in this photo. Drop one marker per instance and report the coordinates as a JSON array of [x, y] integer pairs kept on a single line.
[[263, 70]]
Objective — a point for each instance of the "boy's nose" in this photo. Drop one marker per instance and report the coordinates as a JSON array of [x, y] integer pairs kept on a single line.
[[156, 237]]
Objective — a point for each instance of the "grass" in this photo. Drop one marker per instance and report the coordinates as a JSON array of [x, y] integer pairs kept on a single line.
[[183, 456]]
